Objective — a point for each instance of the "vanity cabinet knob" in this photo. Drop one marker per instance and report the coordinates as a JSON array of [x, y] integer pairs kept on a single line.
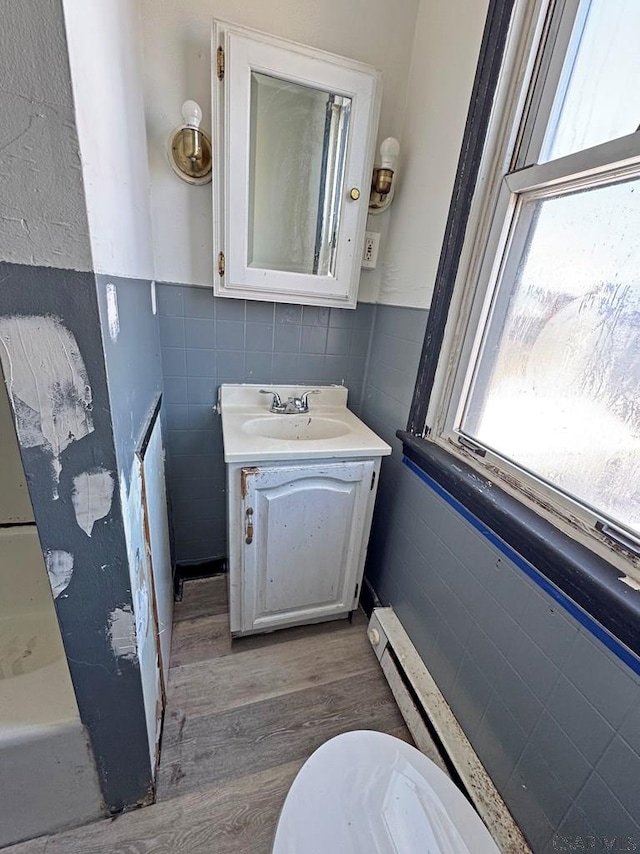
[[354, 193]]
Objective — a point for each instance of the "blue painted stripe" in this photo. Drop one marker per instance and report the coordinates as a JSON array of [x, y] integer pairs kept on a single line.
[[586, 620]]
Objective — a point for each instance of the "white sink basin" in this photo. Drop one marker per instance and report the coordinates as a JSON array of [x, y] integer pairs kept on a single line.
[[329, 431], [297, 428]]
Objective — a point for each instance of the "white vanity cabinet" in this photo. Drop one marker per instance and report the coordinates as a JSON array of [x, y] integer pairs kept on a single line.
[[300, 491], [298, 534]]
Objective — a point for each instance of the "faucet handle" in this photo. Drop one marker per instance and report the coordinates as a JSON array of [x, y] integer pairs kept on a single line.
[[276, 401], [305, 395]]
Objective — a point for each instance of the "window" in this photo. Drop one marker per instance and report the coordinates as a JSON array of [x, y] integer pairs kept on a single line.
[[538, 382]]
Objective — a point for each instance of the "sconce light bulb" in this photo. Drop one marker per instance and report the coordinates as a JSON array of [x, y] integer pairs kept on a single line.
[[389, 150], [192, 114]]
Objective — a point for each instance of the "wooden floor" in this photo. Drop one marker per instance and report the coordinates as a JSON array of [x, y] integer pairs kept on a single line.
[[241, 719]]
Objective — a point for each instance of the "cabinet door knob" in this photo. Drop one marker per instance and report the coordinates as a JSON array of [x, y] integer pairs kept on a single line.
[[354, 193]]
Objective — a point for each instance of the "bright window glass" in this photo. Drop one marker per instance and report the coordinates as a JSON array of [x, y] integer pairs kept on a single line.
[[556, 388], [600, 98]]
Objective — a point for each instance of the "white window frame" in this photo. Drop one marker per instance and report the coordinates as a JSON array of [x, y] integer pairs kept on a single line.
[[522, 105]]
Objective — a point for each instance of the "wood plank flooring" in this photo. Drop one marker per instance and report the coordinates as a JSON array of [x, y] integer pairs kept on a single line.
[[242, 717]]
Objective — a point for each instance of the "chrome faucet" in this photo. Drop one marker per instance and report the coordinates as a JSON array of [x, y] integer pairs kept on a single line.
[[293, 405]]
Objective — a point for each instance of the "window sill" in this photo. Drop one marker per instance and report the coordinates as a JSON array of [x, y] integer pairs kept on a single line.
[[581, 577]]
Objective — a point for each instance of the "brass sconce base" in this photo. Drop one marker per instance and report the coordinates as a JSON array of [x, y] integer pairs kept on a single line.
[[193, 168], [382, 180]]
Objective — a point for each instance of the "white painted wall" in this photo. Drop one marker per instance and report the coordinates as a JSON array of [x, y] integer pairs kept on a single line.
[[105, 57], [445, 54], [42, 211], [177, 67]]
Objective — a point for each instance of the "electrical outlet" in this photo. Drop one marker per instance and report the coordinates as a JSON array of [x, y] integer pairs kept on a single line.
[[370, 251]]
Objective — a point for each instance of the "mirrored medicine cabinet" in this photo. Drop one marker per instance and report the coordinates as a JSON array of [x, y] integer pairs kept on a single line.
[[295, 132]]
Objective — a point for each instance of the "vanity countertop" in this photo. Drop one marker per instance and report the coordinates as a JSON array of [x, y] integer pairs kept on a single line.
[[328, 430]]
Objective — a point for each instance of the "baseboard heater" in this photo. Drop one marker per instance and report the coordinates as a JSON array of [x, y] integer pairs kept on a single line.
[[426, 713]]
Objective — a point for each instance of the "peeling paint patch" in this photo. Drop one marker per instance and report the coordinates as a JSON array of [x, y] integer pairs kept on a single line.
[[47, 383], [92, 496], [132, 517], [122, 633], [60, 568], [141, 599], [113, 318]]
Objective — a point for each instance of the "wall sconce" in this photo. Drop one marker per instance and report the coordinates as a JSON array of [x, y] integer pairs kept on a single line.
[[382, 185], [190, 147]]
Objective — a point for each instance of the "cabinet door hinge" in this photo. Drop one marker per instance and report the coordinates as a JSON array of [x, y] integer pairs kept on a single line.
[[220, 63], [355, 594], [221, 264], [373, 481]]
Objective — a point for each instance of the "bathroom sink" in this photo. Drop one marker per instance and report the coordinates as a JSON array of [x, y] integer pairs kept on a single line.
[[297, 428], [329, 430]]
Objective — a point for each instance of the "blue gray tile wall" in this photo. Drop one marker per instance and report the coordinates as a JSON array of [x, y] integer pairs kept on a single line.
[[396, 344], [206, 342], [552, 713], [132, 359]]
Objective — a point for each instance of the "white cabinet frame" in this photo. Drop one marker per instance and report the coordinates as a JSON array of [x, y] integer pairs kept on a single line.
[[246, 51]]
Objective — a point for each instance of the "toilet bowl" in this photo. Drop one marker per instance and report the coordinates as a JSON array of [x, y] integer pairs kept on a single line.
[[370, 793]]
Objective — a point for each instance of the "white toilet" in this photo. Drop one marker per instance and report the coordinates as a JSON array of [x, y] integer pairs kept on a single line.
[[370, 793]]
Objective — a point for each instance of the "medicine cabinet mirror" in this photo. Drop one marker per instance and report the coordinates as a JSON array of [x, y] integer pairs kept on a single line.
[[295, 132]]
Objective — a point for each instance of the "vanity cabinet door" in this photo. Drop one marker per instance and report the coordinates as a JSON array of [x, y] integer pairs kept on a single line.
[[305, 537]]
